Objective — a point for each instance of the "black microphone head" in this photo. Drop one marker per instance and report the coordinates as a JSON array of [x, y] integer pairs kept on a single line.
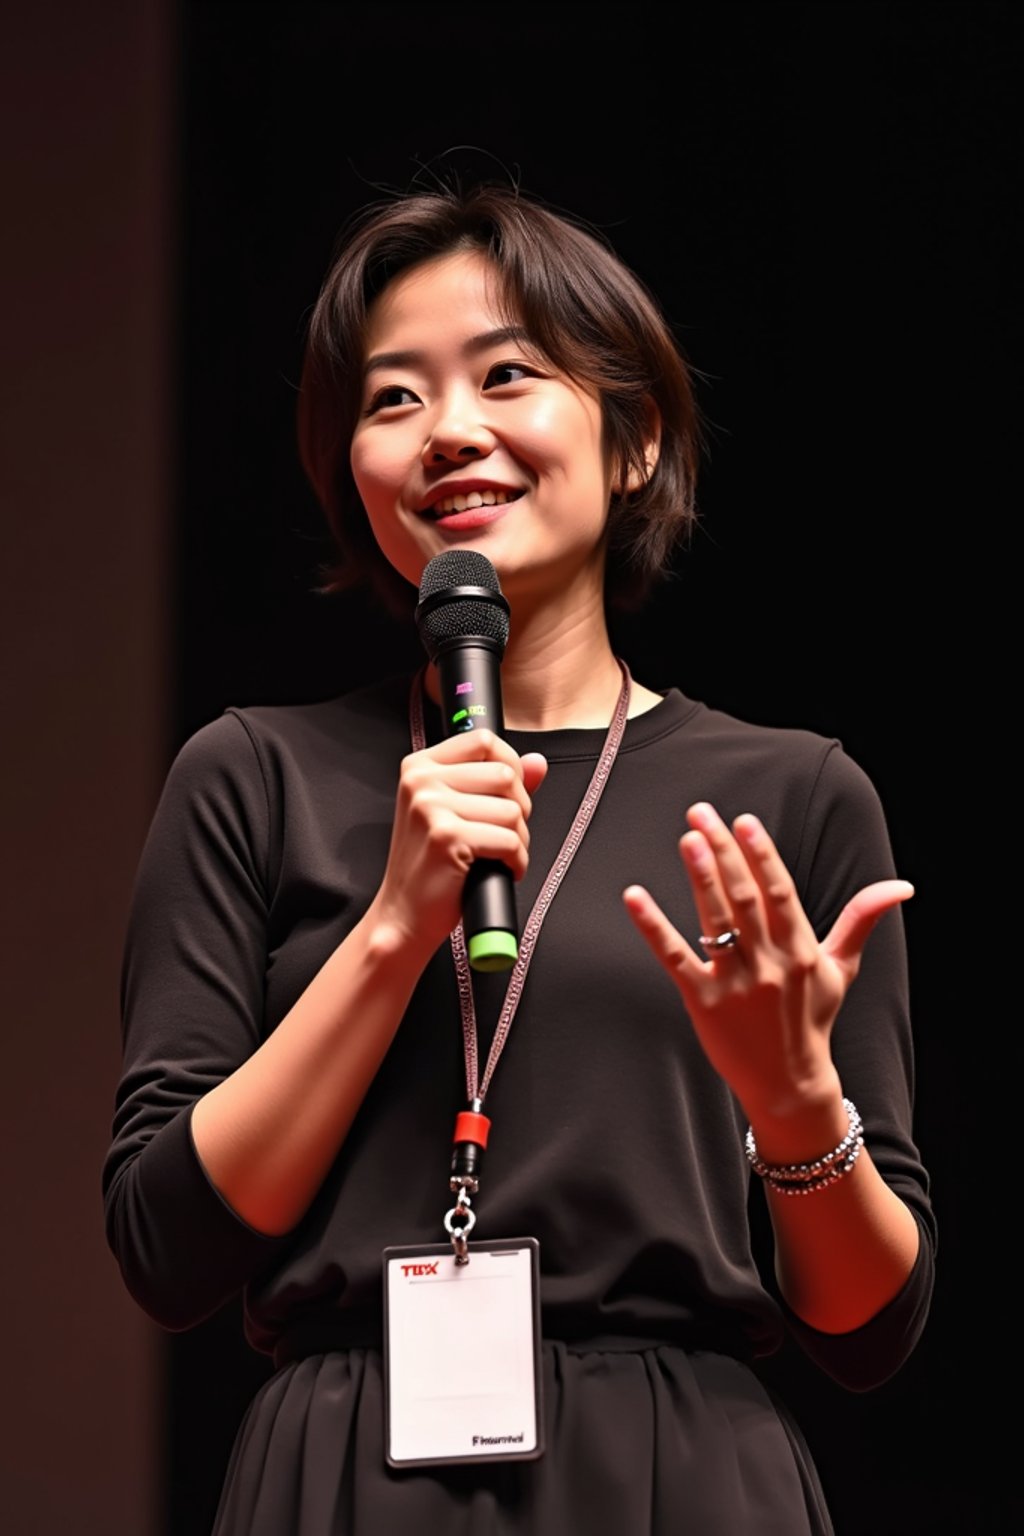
[[460, 599]]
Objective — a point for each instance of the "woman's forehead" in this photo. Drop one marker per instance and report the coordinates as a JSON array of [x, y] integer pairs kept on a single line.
[[453, 276], [460, 293]]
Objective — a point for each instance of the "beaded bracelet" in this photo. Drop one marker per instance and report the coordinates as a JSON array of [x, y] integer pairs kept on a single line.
[[808, 1178]]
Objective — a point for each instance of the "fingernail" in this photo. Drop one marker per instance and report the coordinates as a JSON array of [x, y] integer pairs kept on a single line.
[[749, 828], [697, 851], [704, 814]]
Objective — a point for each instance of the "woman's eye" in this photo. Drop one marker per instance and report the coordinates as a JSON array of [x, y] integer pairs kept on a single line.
[[509, 373], [391, 394]]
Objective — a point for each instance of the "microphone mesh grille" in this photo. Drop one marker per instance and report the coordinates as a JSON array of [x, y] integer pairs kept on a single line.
[[463, 616], [458, 568]]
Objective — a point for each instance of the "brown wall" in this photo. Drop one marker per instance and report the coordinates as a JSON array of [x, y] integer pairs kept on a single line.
[[85, 145]]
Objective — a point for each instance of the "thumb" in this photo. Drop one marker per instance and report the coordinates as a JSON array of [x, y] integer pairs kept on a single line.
[[535, 769], [851, 930]]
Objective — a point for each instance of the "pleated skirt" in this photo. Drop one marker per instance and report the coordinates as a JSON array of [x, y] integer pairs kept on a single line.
[[638, 1442]]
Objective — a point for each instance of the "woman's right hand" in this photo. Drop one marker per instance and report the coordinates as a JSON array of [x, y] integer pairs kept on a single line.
[[466, 798]]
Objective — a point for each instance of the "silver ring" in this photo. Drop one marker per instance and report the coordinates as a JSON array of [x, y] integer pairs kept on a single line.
[[714, 944]]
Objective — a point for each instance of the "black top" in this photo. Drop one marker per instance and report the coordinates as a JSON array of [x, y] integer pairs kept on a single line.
[[614, 1142]]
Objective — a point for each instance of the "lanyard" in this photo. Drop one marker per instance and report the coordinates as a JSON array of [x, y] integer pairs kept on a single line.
[[471, 1125]]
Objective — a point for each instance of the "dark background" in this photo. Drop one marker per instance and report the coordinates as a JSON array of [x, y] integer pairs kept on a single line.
[[824, 197]]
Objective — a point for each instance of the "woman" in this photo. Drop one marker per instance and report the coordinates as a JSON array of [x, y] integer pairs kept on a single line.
[[719, 984]]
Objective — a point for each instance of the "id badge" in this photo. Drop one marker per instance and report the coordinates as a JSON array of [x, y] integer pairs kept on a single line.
[[462, 1376]]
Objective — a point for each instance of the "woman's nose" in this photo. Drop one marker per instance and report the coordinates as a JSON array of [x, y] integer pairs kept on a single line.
[[456, 435]]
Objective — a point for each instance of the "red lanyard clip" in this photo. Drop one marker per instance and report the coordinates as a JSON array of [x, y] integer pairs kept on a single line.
[[471, 1132]]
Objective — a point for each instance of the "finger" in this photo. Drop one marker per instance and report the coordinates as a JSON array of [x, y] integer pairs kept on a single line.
[[483, 746], [423, 775], [489, 840], [495, 779], [784, 916], [664, 939], [725, 881], [714, 910], [851, 930], [442, 812], [475, 746], [493, 810]]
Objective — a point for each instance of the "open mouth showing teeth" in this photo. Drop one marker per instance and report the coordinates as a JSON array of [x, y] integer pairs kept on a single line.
[[471, 499]]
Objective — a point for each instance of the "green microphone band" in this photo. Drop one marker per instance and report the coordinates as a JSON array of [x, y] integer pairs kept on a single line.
[[493, 950]]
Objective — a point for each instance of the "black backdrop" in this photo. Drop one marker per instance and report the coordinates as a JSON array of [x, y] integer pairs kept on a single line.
[[823, 197]]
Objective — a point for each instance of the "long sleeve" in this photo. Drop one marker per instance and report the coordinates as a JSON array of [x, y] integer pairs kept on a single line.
[[192, 1010], [845, 846]]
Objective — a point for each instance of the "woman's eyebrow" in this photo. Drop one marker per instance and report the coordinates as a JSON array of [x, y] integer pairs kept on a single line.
[[411, 358]]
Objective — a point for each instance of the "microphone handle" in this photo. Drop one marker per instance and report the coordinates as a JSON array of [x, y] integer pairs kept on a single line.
[[469, 673]]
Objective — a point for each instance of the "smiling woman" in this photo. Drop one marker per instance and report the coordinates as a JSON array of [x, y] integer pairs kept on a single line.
[[718, 995], [554, 305], [458, 407]]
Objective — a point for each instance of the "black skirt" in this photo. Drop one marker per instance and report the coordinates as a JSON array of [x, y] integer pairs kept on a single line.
[[639, 1441]]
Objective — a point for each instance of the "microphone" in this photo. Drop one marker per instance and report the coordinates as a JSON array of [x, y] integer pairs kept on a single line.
[[463, 621]]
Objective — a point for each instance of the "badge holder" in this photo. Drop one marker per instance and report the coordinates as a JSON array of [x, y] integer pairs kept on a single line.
[[462, 1353]]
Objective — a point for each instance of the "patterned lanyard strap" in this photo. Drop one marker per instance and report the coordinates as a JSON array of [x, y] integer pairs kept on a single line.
[[472, 1126]]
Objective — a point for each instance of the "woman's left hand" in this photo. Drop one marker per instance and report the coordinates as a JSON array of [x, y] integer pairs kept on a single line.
[[764, 1007]]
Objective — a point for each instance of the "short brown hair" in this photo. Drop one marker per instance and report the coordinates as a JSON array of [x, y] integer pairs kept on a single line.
[[580, 304]]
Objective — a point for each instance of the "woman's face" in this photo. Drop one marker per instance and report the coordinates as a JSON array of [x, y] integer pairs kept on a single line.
[[468, 438]]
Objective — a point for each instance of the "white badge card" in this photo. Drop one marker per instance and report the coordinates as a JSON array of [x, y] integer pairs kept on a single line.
[[462, 1353]]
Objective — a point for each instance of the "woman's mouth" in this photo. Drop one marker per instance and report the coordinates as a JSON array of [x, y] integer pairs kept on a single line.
[[470, 501], [465, 510]]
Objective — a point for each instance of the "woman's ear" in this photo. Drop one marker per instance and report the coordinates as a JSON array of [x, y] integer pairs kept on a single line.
[[635, 478]]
